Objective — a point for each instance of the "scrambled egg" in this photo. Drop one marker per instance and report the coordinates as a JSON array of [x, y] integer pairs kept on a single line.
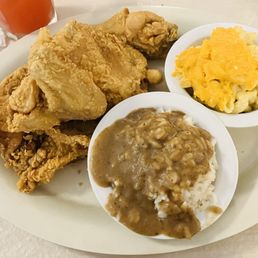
[[223, 66]]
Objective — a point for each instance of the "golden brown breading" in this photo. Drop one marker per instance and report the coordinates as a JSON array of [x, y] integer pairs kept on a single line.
[[69, 90], [26, 106], [7, 86], [115, 67], [74, 75], [143, 30], [35, 157]]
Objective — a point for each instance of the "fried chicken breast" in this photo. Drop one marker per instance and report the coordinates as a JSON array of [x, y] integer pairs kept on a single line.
[[115, 67]]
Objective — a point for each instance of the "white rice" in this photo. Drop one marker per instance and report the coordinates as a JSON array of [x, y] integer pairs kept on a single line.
[[200, 196], [157, 201]]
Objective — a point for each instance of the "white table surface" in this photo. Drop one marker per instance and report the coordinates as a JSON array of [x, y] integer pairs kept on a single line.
[[17, 243]]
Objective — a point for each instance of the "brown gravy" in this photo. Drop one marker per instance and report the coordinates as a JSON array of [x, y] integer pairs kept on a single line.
[[147, 154]]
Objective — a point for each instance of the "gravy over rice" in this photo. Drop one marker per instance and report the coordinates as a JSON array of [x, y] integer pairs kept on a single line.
[[150, 159]]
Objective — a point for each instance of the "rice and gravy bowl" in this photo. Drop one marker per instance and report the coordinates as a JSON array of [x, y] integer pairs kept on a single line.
[[161, 167]]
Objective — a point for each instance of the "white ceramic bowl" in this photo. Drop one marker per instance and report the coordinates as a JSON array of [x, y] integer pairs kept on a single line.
[[195, 37], [226, 154]]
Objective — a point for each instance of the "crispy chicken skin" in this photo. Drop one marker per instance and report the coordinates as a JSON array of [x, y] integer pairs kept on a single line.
[[22, 104], [114, 66], [35, 157], [69, 90], [50, 107], [143, 30], [27, 106]]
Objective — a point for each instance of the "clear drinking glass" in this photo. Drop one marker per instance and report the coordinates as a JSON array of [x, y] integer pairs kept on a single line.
[[20, 17]]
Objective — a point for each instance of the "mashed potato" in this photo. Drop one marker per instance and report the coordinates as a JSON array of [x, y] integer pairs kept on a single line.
[[222, 71]]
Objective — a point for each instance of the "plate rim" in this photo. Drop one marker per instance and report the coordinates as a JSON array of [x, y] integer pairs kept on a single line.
[[76, 246]]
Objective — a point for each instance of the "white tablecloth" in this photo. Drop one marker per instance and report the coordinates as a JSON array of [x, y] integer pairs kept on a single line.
[[17, 243]]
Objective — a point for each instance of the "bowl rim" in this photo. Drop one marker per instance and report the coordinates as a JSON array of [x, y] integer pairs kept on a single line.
[[249, 119], [225, 149]]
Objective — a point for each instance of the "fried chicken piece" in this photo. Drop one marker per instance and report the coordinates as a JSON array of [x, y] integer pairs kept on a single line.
[[145, 31], [20, 105], [73, 76], [25, 107], [115, 67], [69, 90], [35, 157]]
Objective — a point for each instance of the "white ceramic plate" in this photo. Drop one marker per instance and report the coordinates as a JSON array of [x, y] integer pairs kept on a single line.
[[195, 37], [226, 155], [67, 213]]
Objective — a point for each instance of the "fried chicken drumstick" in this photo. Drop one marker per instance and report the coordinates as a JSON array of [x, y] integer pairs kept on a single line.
[[143, 30]]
